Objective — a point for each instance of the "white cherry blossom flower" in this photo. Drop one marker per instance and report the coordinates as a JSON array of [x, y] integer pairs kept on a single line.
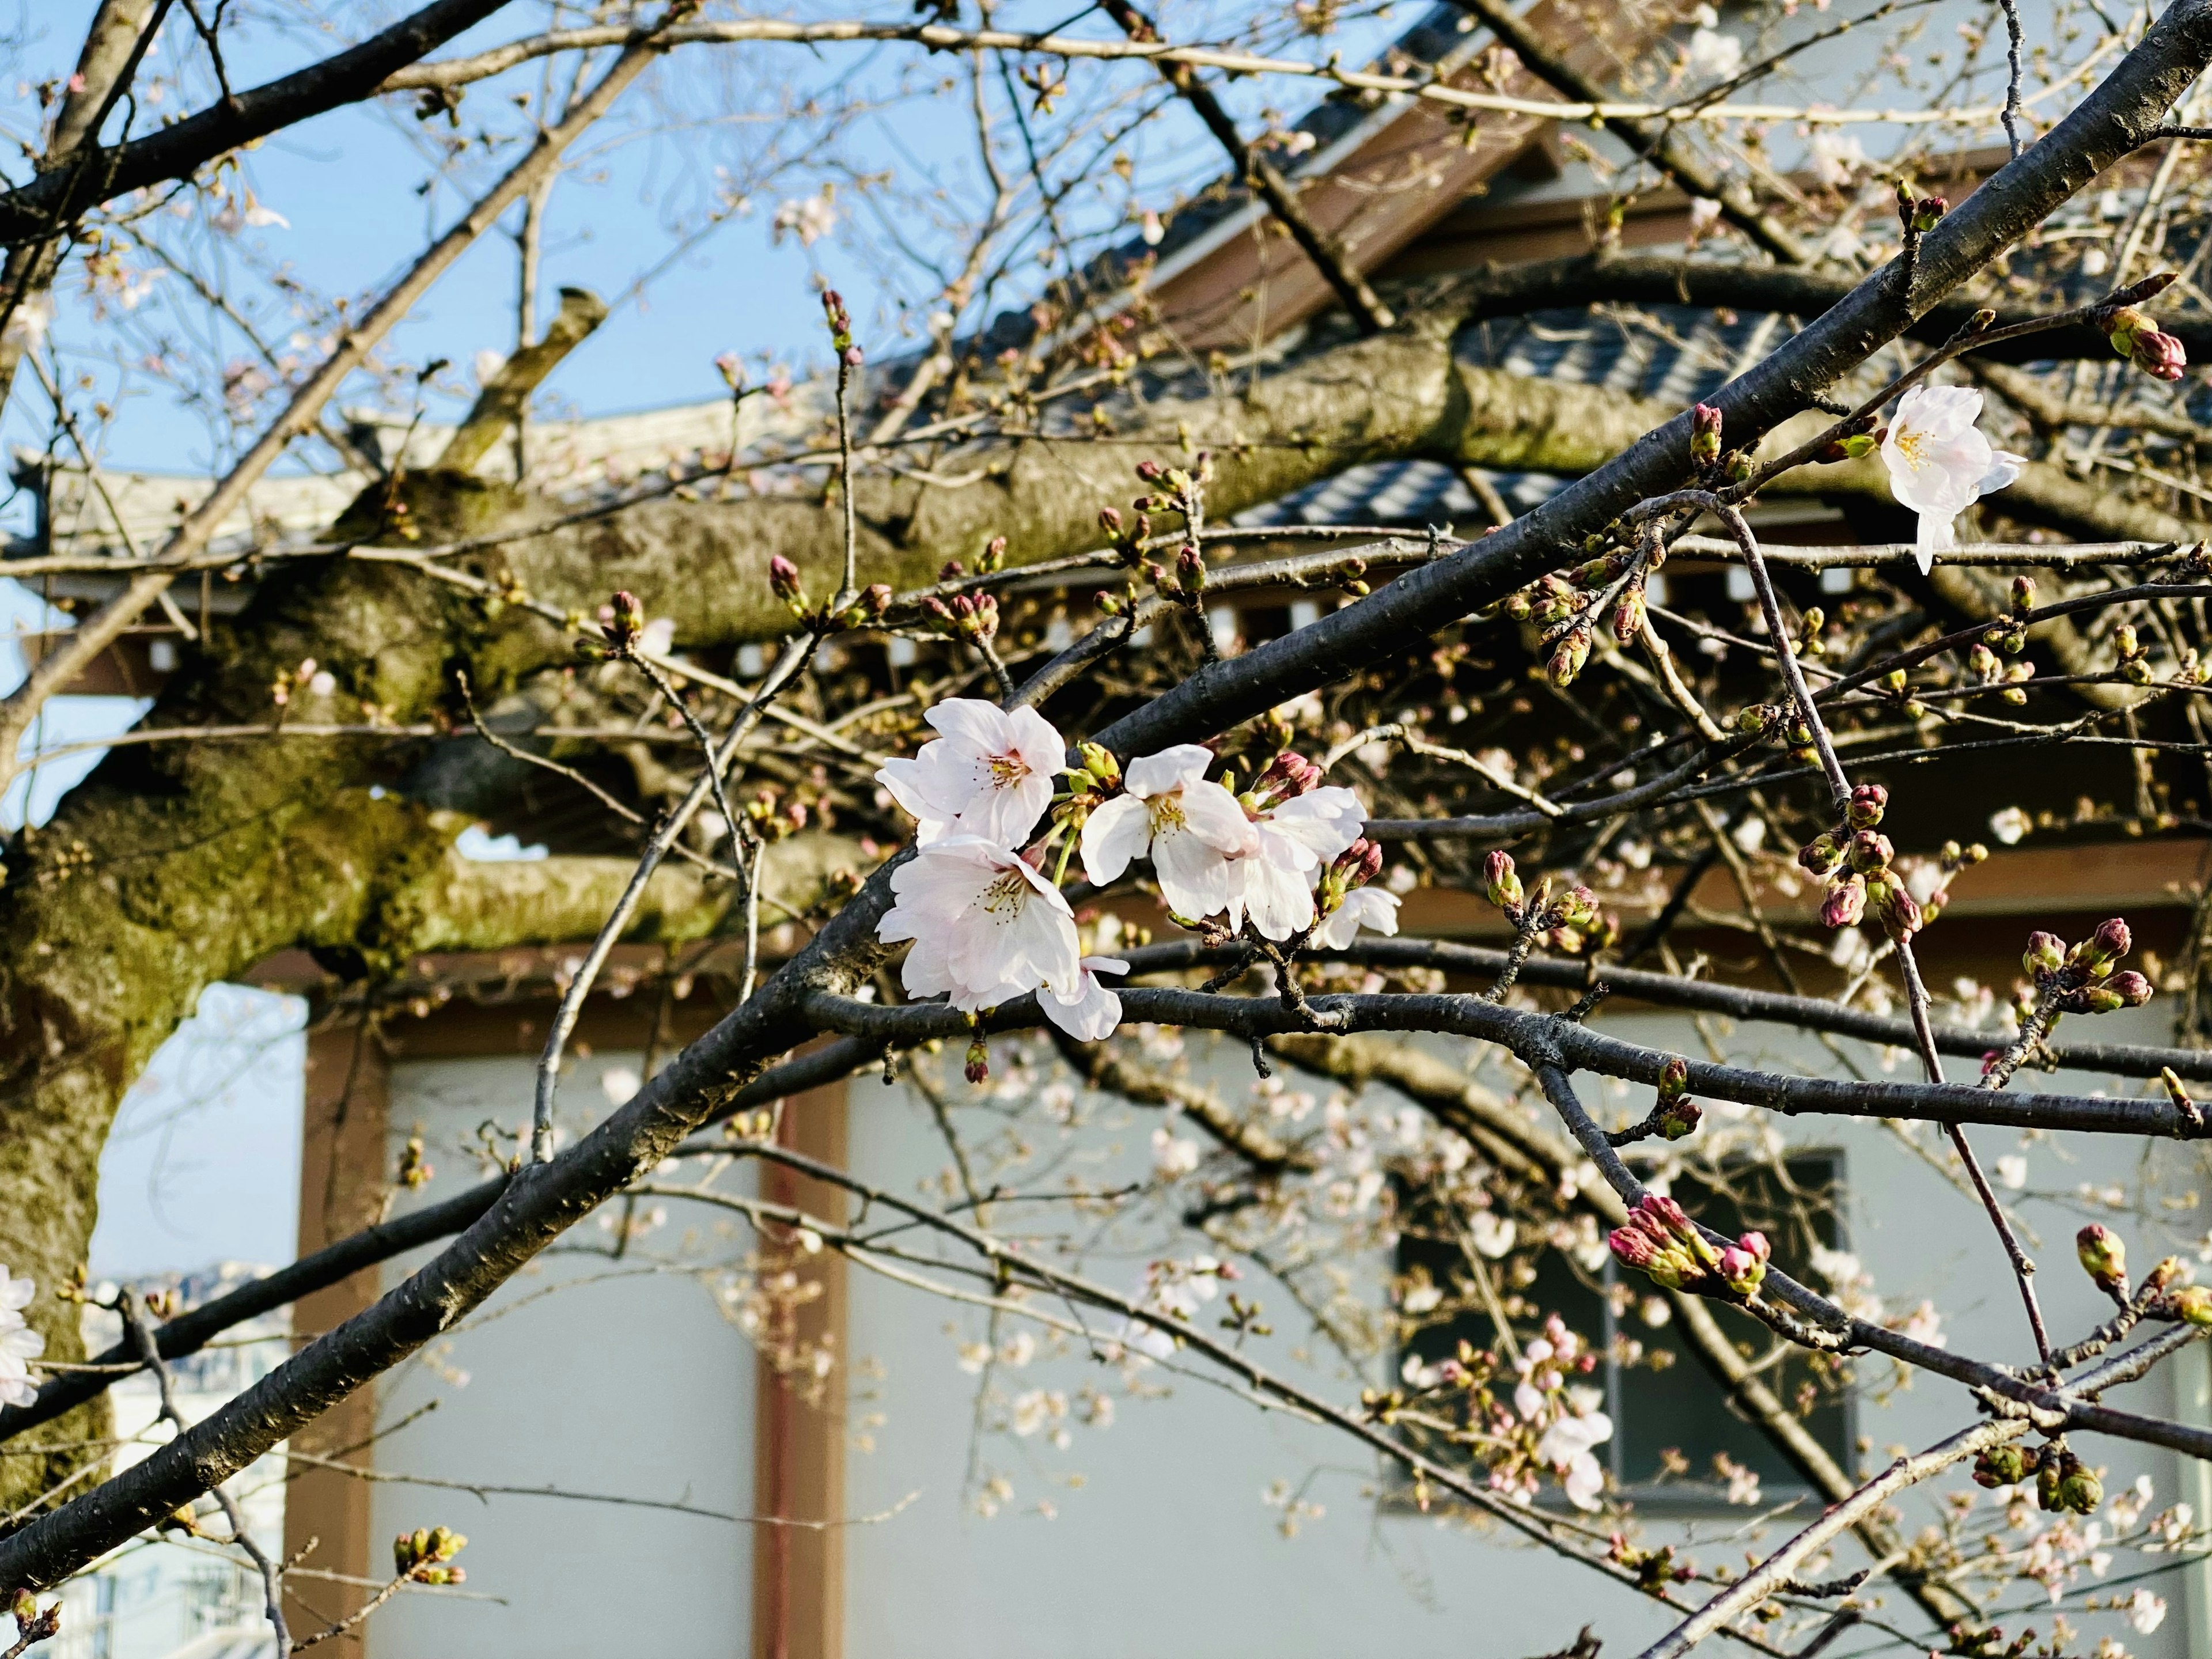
[[15, 1295], [1713, 55], [18, 1344], [1271, 878], [1939, 464], [986, 926], [1172, 1157], [1566, 1446], [1189, 827], [1091, 1011], [1836, 156], [1362, 907], [2145, 1611], [990, 774]]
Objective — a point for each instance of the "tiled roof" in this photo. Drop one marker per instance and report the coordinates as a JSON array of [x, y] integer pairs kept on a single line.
[[1670, 355]]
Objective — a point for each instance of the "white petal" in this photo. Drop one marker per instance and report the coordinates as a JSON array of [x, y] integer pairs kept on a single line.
[[903, 781], [1214, 817], [1194, 874], [971, 720], [2004, 467], [1935, 536], [1090, 1016], [1035, 739], [1117, 832], [1169, 770]]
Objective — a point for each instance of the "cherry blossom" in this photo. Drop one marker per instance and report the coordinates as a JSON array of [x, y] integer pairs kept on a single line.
[[989, 775], [1940, 464], [1712, 56], [1365, 906], [1271, 879], [1188, 826], [18, 1343], [1567, 1446], [2145, 1611], [1091, 1011], [986, 926], [1835, 157]]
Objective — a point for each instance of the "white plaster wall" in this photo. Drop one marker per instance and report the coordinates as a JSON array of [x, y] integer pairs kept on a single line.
[[590, 1374], [1166, 1547]]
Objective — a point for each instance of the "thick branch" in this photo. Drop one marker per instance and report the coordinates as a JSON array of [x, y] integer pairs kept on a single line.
[[53, 199]]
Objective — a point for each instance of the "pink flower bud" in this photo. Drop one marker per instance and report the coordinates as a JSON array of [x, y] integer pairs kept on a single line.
[[2132, 989], [979, 1062], [783, 578], [1870, 851], [1358, 863], [1821, 854], [2045, 954], [1868, 804], [2159, 356], [1502, 882], [1674, 1077], [1704, 434], [1743, 1264], [1845, 902], [2103, 1257]]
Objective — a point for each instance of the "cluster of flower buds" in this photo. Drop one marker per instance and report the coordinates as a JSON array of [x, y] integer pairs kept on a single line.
[[2103, 1257], [1676, 1114], [971, 617], [1654, 1568], [2134, 655], [1859, 437], [772, 818], [2081, 980], [1808, 642], [1986, 668], [1536, 911], [1355, 866], [2062, 1482], [978, 1069], [309, 677], [841, 328], [622, 623], [424, 1554], [1857, 858], [1663, 1242], [414, 1169], [1949, 860], [34, 1624], [2137, 339], [1919, 215]]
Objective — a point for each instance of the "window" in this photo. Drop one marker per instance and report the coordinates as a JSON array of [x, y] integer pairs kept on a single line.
[[1676, 1437]]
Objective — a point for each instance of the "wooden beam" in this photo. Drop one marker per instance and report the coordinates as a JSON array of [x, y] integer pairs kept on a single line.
[[798, 1418], [342, 1181]]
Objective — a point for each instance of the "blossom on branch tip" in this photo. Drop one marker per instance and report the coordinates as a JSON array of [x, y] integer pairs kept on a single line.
[[1940, 464], [990, 774], [1271, 877], [1188, 826], [986, 926]]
